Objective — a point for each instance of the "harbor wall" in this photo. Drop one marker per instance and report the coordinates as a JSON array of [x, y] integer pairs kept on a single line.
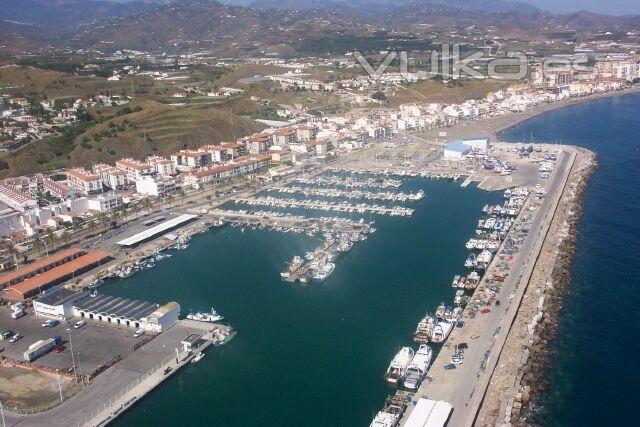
[[520, 377]]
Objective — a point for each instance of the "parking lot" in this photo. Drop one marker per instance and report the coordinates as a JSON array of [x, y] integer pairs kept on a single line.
[[93, 345]]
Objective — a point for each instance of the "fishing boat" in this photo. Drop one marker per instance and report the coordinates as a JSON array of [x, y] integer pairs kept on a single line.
[[460, 298], [471, 261], [424, 329], [441, 330], [456, 281], [399, 365], [206, 317], [472, 280], [418, 368], [441, 310]]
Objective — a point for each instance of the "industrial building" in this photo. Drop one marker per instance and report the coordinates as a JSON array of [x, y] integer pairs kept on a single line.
[[127, 312], [429, 413], [456, 150], [480, 143], [158, 229], [58, 303], [51, 272]]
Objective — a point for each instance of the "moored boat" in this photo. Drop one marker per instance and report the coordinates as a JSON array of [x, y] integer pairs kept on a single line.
[[399, 365]]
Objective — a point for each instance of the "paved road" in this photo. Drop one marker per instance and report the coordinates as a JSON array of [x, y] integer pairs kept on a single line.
[[464, 386]]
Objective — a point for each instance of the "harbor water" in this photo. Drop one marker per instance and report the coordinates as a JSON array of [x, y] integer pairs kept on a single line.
[[592, 381], [309, 355]]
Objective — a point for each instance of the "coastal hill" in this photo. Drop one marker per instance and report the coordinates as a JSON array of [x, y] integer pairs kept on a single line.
[[332, 27]]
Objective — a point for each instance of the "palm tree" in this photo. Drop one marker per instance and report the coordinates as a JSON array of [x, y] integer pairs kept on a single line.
[[11, 249], [146, 203], [169, 198], [50, 236]]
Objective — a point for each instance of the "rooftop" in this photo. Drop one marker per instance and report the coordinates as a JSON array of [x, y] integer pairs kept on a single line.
[[123, 308], [61, 295]]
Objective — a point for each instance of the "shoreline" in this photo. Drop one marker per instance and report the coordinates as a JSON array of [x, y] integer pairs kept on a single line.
[[494, 127], [543, 109]]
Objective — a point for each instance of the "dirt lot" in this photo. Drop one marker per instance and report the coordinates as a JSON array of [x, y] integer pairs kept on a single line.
[[26, 389]]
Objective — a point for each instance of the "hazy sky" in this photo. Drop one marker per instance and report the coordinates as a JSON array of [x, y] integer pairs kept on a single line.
[[608, 7]]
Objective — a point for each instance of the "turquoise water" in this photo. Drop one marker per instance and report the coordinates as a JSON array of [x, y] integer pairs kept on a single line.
[[594, 379], [314, 355]]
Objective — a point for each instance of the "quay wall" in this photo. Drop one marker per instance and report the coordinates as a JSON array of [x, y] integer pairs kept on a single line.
[[520, 375]]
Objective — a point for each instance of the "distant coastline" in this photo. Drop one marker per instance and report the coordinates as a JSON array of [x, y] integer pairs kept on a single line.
[[516, 120]]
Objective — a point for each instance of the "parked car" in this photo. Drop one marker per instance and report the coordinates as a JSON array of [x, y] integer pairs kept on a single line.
[[49, 323], [60, 348], [79, 324], [15, 338], [5, 334], [450, 366], [485, 311], [138, 333]]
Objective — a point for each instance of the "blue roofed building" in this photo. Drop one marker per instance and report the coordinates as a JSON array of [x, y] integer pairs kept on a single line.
[[456, 150]]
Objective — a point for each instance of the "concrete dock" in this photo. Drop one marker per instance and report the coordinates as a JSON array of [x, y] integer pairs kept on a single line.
[[119, 387]]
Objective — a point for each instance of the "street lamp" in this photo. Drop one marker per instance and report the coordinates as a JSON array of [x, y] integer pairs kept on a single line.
[[73, 359]]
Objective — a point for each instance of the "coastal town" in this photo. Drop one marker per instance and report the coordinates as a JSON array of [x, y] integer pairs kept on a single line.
[[119, 166]]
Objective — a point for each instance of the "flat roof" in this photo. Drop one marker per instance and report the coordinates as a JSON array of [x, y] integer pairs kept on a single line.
[[123, 308], [61, 296], [158, 229], [429, 413]]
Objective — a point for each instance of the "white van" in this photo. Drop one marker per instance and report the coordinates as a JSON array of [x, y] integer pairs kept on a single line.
[[138, 333], [79, 324]]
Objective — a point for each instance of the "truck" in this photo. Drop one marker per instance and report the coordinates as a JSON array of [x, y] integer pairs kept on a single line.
[[41, 347]]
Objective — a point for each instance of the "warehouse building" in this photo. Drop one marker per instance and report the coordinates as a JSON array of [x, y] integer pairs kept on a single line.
[[58, 302], [456, 150], [36, 284], [127, 312]]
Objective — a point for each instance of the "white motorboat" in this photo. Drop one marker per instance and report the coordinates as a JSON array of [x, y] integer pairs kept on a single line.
[[418, 367], [198, 357], [441, 331], [206, 317], [399, 365]]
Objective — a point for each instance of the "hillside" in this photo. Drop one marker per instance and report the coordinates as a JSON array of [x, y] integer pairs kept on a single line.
[[157, 129]]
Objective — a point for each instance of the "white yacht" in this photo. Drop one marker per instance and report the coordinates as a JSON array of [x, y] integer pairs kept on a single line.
[[418, 367], [198, 357], [441, 331], [385, 419], [399, 365], [206, 317]]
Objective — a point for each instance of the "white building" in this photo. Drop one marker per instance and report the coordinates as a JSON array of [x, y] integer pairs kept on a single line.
[[83, 181], [128, 313], [456, 150], [479, 143], [57, 303], [155, 185]]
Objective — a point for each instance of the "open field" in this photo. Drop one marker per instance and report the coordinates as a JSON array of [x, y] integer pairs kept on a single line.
[[25, 388], [435, 91]]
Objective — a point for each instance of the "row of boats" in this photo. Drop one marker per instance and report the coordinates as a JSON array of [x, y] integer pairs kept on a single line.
[[319, 263], [350, 182], [327, 206], [408, 369], [388, 196]]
